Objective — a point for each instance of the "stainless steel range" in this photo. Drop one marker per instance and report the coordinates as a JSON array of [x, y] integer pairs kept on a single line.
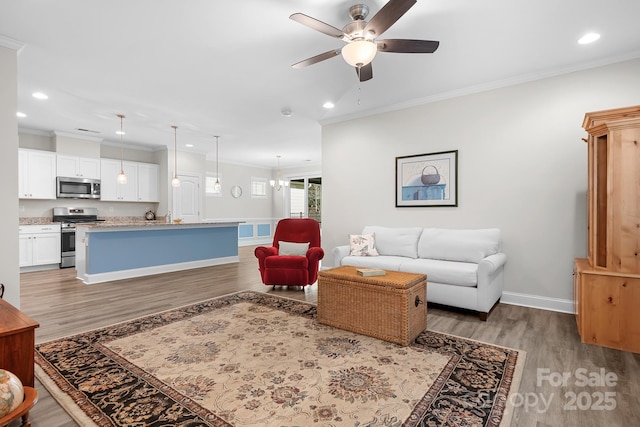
[[68, 218]]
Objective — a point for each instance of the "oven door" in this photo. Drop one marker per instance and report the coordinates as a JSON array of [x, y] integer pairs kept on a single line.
[[68, 247]]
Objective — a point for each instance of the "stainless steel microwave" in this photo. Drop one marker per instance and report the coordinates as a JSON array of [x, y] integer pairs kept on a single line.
[[77, 188]]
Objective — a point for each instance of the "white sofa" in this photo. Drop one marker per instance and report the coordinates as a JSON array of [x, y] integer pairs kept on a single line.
[[464, 268]]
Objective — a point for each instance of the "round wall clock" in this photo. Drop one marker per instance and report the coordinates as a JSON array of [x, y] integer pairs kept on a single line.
[[236, 191]]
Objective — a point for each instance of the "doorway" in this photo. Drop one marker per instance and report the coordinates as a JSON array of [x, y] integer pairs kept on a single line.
[[305, 198], [186, 199]]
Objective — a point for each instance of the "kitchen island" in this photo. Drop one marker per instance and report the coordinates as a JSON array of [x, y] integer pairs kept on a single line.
[[106, 252]]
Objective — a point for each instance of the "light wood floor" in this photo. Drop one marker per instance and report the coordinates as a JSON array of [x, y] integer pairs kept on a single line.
[[64, 306]]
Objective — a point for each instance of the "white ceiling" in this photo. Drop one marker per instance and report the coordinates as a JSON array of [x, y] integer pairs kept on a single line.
[[224, 68]]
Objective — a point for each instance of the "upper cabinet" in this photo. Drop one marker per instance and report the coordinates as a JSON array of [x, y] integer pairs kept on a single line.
[[142, 181], [36, 174], [80, 167], [614, 189], [148, 181]]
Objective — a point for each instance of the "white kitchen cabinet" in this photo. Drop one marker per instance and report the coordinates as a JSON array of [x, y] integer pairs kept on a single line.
[[78, 167], [39, 245], [148, 181], [141, 186], [36, 174]]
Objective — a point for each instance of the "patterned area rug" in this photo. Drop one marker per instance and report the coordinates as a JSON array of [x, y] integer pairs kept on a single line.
[[252, 359]]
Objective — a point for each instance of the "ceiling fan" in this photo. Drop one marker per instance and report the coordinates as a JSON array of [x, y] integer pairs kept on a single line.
[[361, 35]]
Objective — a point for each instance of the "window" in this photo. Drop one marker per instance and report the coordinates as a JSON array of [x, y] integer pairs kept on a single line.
[[210, 182], [259, 188]]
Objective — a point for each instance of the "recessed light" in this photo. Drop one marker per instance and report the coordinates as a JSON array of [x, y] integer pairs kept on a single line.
[[589, 38], [328, 105], [286, 112], [188, 145], [120, 132], [21, 115], [40, 95]]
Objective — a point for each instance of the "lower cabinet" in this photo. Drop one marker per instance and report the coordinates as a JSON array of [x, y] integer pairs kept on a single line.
[[39, 245], [607, 307]]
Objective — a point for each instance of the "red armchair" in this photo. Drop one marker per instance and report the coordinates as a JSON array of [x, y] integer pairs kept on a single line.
[[300, 267]]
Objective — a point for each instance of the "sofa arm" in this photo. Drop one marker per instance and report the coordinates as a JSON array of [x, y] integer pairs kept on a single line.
[[490, 281], [491, 264], [338, 253]]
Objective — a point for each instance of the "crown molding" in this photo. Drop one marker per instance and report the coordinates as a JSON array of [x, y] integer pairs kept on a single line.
[[485, 87], [75, 136], [10, 43]]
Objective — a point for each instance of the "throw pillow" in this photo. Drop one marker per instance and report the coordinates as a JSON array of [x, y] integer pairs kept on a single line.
[[290, 248], [362, 245]]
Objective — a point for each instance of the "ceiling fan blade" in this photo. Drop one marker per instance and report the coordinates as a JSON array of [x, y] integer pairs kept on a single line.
[[317, 58], [387, 16], [317, 25], [365, 72], [407, 46]]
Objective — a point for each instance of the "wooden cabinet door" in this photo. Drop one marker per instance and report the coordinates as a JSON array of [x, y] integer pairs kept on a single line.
[[610, 306]]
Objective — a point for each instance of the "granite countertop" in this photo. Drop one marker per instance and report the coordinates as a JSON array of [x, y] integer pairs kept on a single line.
[[107, 221], [132, 221]]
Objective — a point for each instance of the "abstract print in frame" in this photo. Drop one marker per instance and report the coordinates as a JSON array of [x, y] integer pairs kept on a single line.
[[427, 179]]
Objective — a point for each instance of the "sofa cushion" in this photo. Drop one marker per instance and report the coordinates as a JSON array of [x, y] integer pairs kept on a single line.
[[362, 245], [384, 262], [458, 245], [395, 241], [446, 272]]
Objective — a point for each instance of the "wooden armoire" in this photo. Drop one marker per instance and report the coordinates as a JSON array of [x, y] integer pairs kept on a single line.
[[607, 282]]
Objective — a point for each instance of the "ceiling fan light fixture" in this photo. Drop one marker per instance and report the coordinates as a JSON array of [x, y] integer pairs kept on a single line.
[[359, 53]]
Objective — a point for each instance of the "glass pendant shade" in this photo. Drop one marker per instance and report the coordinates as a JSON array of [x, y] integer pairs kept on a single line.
[[359, 53], [122, 178], [175, 182]]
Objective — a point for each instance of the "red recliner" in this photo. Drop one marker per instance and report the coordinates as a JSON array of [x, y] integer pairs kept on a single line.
[[291, 270]]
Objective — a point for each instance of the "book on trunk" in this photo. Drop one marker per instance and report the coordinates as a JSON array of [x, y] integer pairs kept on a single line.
[[370, 272]]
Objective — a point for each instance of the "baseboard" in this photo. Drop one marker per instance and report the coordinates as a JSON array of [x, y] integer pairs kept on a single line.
[[536, 301], [255, 241], [91, 279]]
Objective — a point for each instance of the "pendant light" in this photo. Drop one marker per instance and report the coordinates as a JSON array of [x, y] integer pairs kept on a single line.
[[278, 183], [175, 182], [217, 185], [122, 178]]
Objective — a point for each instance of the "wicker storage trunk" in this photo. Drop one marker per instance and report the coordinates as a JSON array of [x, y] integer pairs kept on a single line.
[[390, 307]]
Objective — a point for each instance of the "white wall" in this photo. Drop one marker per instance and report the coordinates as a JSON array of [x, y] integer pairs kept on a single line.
[[224, 205], [9, 270], [522, 168]]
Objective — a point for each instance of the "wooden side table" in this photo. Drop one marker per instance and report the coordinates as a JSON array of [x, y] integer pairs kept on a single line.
[[17, 342]]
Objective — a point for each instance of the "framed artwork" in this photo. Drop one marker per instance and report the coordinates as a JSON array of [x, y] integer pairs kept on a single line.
[[427, 180]]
